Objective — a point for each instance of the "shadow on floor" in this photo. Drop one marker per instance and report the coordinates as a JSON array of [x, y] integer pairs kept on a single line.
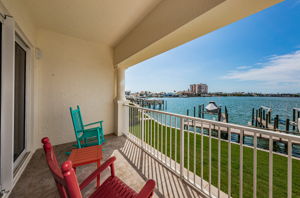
[[133, 166], [168, 184]]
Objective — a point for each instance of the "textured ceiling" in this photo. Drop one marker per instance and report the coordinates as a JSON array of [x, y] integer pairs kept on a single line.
[[103, 21]]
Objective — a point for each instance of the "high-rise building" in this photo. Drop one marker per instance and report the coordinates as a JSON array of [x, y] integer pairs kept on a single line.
[[199, 88]]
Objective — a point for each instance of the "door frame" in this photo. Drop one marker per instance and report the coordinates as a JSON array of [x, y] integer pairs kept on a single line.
[[7, 103], [9, 174], [29, 101]]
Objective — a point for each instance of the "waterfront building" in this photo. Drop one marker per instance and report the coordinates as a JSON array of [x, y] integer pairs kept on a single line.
[[199, 88]]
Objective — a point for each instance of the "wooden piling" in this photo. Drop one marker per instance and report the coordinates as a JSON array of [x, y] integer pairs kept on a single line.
[[287, 124], [276, 122], [267, 121], [226, 115], [252, 123], [294, 119], [194, 111], [219, 114], [260, 117], [256, 116]]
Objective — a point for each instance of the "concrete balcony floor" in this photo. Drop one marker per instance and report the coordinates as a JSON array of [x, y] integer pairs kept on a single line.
[[133, 166]]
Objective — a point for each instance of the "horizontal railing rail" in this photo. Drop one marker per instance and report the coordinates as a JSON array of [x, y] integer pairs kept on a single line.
[[218, 158]]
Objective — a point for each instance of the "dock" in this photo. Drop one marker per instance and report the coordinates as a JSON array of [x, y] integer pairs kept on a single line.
[[221, 116], [151, 104], [265, 124], [192, 123], [262, 118]]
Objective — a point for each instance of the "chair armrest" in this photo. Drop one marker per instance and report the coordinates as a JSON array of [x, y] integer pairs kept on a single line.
[[147, 190], [93, 123], [92, 176]]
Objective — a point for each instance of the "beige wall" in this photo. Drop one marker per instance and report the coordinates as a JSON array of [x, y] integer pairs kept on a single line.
[[72, 71], [22, 16]]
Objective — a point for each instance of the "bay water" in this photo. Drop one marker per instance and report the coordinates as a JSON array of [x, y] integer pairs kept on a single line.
[[240, 112]]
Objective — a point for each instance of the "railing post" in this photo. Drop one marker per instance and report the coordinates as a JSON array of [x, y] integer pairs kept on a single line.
[[126, 117], [143, 130], [181, 147]]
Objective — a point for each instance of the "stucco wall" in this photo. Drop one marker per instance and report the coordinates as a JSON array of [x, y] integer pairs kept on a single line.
[[23, 18], [72, 71]]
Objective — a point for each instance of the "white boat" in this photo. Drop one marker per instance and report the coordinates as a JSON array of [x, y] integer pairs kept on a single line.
[[212, 107], [268, 109]]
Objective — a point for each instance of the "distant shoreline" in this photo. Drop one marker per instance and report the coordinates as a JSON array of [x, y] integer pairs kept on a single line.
[[148, 94], [279, 96]]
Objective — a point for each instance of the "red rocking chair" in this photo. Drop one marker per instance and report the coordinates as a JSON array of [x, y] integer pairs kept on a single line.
[[113, 187]]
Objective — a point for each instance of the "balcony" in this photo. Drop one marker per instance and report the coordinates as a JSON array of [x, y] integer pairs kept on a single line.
[[76, 53], [208, 165]]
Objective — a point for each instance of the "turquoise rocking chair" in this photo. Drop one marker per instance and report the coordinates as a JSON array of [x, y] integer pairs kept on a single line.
[[86, 135]]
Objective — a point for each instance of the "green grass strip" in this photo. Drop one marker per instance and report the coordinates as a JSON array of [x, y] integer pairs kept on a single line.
[[159, 133]]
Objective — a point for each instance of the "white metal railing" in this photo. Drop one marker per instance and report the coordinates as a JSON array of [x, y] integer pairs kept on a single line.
[[188, 146]]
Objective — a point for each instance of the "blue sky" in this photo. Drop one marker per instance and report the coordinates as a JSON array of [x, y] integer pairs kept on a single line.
[[260, 53]]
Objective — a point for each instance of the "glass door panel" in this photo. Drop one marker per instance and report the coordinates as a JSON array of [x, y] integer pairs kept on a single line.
[[20, 99]]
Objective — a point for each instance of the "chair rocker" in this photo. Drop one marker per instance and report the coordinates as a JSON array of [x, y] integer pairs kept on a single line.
[[113, 187], [86, 134]]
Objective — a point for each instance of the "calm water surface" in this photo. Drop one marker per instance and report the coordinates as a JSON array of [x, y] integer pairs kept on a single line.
[[240, 112], [239, 108]]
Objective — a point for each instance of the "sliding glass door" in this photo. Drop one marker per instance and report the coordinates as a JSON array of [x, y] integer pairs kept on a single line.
[[14, 84], [20, 101]]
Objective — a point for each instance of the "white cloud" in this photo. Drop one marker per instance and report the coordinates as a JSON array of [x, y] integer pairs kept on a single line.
[[280, 70], [243, 67]]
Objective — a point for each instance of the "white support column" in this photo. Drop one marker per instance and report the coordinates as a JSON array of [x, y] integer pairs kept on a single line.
[[122, 111], [121, 84]]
